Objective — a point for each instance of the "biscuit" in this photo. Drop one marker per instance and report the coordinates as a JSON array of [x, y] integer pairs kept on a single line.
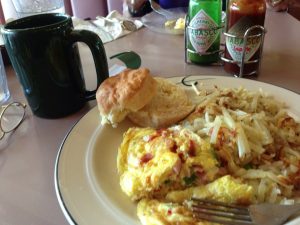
[[169, 105], [126, 92]]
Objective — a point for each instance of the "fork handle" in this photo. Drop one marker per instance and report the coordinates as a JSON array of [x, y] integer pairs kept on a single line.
[[272, 214]]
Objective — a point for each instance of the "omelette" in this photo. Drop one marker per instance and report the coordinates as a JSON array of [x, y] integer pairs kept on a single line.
[[175, 209], [152, 162], [152, 211]]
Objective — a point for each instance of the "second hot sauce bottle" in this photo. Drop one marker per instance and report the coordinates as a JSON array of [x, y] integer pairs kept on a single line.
[[243, 14]]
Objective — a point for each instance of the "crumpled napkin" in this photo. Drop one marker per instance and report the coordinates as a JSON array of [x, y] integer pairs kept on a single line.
[[109, 28]]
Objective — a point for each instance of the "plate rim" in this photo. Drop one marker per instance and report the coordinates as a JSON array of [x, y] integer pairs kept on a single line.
[[59, 196]]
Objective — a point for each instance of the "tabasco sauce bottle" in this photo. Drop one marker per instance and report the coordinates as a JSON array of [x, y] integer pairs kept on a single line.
[[241, 15], [203, 33]]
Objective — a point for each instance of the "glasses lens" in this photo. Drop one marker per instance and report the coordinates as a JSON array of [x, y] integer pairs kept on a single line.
[[12, 117]]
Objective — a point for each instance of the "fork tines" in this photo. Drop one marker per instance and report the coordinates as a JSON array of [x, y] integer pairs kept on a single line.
[[220, 212]]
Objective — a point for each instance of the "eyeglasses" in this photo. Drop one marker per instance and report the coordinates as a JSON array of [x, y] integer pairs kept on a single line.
[[11, 117]]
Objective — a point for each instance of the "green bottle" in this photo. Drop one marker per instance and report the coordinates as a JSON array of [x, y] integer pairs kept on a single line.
[[204, 17]]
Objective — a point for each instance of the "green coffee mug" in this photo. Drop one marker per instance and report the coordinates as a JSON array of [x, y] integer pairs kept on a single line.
[[45, 57]]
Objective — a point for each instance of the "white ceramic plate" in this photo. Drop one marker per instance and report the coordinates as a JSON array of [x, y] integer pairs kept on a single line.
[[156, 22], [86, 180]]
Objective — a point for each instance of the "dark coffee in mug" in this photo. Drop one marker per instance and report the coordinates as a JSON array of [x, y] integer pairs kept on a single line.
[[45, 57]]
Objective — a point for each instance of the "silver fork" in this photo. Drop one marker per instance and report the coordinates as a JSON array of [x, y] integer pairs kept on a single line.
[[259, 214]]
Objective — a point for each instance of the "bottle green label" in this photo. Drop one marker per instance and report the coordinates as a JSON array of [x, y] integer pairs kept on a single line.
[[235, 45], [203, 32]]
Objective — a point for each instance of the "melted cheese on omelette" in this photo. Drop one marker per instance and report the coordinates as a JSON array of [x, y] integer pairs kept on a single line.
[[153, 162], [173, 212], [225, 189], [154, 212]]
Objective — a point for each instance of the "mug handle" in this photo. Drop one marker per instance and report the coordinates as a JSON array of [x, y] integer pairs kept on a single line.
[[95, 44]]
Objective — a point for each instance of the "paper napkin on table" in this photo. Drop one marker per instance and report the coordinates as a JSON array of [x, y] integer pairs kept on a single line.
[[108, 28]]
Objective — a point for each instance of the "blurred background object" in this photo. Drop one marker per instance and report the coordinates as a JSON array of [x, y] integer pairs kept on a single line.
[[2, 19], [89, 8], [138, 8], [78, 8], [9, 12], [294, 9], [278, 5], [166, 4], [25, 8], [114, 5], [92, 8], [290, 6]]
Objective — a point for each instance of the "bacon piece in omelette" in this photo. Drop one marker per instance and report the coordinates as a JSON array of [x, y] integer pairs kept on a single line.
[[152, 162]]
